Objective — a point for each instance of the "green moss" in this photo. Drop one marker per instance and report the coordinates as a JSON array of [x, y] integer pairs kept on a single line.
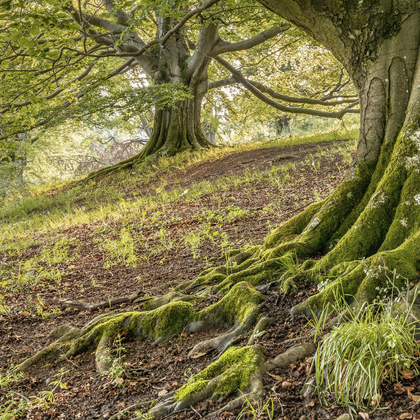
[[235, 368], [293, 227], [160, 301], [167, 320], [380, 168], [407, 216], [240, 305]]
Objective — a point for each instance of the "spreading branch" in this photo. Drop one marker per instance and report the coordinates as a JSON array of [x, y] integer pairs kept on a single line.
[[224, 47], [294, 110]]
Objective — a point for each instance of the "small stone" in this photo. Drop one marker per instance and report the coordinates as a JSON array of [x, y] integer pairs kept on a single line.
[[286, 384], [303, 418], [106, 415], [345, 416]]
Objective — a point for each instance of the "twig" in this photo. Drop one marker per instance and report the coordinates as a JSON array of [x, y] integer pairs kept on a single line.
[[196, 412]]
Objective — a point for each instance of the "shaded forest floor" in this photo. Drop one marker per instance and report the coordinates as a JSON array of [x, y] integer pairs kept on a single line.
[[146, 231]]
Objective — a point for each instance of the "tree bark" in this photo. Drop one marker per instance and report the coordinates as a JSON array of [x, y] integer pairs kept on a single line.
[[375, 213]]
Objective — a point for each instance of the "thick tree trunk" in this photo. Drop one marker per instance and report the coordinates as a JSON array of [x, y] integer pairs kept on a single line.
[[177, 129], [375, 213]]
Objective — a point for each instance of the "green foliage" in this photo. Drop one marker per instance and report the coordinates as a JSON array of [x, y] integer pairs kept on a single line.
[[122, 251], [255, 409], [118, 366], [358, 356], [13, 407]]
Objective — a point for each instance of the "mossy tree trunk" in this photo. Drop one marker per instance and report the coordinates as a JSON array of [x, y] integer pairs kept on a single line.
[[375, 212], [179, 128]]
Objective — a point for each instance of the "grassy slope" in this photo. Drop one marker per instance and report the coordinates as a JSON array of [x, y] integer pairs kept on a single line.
[[114, 215], [63, 205]]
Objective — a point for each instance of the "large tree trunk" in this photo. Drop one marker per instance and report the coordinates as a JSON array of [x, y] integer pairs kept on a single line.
[[178, 128], [375, 213]]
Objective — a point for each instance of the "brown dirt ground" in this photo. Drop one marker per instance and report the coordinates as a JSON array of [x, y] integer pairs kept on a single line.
[[154, 370]]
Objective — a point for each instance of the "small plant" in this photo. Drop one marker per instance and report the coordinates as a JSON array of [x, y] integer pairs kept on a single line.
[[358, 356], [120, 251], [46, 398], [117, 369], [43, 311], [8, 378], [4, 309], [193, 241], [257, 410]]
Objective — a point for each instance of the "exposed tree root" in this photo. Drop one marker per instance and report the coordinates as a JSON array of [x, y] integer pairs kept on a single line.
[[238, 309]]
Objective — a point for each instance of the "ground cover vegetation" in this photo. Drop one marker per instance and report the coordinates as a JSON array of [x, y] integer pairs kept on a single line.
[[356, 244]]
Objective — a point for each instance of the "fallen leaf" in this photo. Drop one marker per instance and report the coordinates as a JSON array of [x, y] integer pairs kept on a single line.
[[407, 374], [310, 404], [399, 389], [415, 398], [406, 416], [162, 393], [286, 384], [363, 415], [276, 377]]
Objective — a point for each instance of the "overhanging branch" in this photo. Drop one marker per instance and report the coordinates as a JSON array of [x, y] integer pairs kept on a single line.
[[260, 95], [246, 44]]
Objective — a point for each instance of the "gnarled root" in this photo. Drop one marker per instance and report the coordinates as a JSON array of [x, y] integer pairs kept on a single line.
[[362, 281], [238, 309], [237, 369]]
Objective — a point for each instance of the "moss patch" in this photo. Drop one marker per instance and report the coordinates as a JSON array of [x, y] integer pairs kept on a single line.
[[238, 306], [167, 320], [234, 369]]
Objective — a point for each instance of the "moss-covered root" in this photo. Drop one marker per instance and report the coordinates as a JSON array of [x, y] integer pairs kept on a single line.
[[238, 369], [158, 325], [365, 280], [239, 308]]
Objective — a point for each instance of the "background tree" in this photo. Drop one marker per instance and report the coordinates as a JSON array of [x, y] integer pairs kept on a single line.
[[68, 53]]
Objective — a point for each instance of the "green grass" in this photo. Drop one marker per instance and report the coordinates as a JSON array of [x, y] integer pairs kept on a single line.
[[358, 356], [136, 200]]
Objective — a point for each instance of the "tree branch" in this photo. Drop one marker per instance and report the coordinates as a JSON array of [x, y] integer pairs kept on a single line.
[[256, 92], [308, 101], [223, 82], [224, 46]]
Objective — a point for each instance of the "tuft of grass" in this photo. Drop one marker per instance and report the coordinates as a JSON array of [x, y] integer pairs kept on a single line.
[[255, 409], [122, 251], [351, 363]]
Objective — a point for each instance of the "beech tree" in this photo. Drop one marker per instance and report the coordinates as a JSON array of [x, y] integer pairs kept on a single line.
[[367, 231], [63, 53], [375, 213]]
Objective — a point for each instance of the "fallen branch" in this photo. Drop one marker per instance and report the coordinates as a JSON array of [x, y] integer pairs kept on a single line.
[[90, 307]]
